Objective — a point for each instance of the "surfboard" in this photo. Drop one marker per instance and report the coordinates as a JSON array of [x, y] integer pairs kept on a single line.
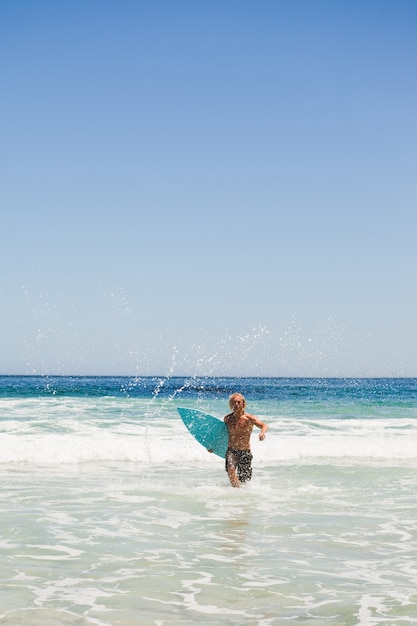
[[206, 429]]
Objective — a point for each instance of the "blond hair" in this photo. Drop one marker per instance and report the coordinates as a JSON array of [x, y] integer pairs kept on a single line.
[[236, 395]]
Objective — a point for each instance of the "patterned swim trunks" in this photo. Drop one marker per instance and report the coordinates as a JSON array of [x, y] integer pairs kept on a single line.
[[241, 460]]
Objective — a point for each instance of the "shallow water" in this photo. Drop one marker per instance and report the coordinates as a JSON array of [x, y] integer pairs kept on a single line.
[[113, 515]]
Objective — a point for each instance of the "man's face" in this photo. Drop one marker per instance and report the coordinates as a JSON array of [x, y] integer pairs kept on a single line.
[[237, 403]]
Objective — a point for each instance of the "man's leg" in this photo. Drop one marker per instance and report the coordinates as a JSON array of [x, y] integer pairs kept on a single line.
[[234, 480], [231, 469]]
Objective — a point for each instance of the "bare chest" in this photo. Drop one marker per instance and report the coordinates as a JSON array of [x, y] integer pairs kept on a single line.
[[239, 425]]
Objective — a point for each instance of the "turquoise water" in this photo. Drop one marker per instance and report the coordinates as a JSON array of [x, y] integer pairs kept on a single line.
[[113, 515]]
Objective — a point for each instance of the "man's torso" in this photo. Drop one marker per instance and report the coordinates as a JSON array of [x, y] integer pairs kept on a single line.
[[240, 430]]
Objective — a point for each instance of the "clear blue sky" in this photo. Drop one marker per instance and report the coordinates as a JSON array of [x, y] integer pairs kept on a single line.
[[208, 187]]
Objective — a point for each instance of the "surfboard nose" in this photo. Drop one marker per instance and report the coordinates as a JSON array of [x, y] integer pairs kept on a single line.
[[208, 430]]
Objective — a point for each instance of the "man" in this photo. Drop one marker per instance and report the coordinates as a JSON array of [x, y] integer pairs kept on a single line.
[[240, 425]]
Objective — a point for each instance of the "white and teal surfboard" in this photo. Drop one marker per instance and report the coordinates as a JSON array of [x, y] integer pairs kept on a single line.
[[206, 429]]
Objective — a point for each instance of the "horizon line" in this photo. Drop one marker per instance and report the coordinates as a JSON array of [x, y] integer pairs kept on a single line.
[[205, 376]]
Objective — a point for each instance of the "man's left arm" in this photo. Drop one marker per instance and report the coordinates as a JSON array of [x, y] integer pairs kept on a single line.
[[264, 427]]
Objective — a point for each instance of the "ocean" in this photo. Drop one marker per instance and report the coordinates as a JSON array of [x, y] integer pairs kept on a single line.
[[113, 515]]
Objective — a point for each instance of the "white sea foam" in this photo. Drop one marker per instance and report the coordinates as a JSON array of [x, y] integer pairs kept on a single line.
[[85, 430]]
